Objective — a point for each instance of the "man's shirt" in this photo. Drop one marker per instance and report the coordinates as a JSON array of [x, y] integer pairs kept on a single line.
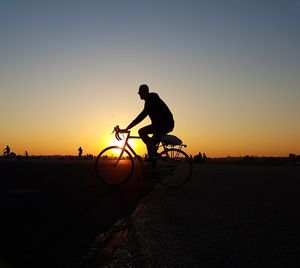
[[157, 110]]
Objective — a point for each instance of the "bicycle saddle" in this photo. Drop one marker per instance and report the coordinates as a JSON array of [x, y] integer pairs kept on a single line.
[[171, 140]]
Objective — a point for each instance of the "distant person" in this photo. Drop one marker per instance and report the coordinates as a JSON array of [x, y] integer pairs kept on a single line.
[[26, 154], [162, 121], [6, 151], [80, 152], [292, 159], [199, 157], [204, 158]]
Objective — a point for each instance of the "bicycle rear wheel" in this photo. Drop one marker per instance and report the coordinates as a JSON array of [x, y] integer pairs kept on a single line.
[[175, 167], [112, 169]]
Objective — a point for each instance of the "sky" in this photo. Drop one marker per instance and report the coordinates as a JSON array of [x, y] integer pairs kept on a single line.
[[228, 70]]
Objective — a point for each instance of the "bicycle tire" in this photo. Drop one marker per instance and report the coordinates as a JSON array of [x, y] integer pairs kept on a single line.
[[111, 171], [179, 167]]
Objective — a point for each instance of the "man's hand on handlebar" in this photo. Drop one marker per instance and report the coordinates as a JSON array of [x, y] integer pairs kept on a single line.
[[117, 130]]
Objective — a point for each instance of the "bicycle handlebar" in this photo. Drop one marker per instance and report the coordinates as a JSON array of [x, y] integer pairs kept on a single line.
[[117, 131]]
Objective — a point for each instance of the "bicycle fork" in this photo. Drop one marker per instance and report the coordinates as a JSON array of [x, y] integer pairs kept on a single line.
[[120, 156]]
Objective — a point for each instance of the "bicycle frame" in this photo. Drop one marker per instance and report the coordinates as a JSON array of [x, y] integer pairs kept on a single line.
[[127, 145], [131, 150]]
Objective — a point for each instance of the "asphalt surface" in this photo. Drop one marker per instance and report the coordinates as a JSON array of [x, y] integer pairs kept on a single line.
[[52, 211], [56, 214], [226, 216]]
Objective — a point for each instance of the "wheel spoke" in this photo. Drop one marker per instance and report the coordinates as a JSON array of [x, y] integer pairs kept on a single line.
[[178, 167]]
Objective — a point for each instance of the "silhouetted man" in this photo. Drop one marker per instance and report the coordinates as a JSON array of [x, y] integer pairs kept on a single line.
[[79, 152], [6, 151], [199, 157], [161, 118]]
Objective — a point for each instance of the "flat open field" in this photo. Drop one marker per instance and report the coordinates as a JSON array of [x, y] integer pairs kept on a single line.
[[51, 212], [226, 216]]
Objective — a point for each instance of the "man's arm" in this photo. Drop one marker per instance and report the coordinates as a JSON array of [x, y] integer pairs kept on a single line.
[[138, 119]]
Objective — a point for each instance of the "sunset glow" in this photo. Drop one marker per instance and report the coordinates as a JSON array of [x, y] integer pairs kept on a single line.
[[132, 142], [229, 72]]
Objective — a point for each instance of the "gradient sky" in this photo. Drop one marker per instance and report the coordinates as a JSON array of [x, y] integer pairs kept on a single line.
[[228, 70]]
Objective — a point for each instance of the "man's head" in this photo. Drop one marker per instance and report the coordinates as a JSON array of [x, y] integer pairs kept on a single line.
[[143, 91]]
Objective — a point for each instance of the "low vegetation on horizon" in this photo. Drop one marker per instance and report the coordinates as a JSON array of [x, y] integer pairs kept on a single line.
[[291, 159]]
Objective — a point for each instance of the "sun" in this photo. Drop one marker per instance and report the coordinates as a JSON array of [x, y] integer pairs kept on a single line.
[[114, 142], [136, 144]]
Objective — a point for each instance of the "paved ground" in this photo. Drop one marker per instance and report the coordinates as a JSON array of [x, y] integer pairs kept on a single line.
[[226, 216], [51, 211], [55, 215]]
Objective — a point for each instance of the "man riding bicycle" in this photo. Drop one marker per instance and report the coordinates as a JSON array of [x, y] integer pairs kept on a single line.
[[162, 121]]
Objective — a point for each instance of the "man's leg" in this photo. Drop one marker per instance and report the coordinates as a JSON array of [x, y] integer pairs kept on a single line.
[[149, 141], [157, 129]]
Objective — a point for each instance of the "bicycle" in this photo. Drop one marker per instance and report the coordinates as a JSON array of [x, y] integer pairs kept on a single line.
[[173, 167]]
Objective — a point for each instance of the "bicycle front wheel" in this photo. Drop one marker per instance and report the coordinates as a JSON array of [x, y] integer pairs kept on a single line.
[[175, 167], [113, 167]]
